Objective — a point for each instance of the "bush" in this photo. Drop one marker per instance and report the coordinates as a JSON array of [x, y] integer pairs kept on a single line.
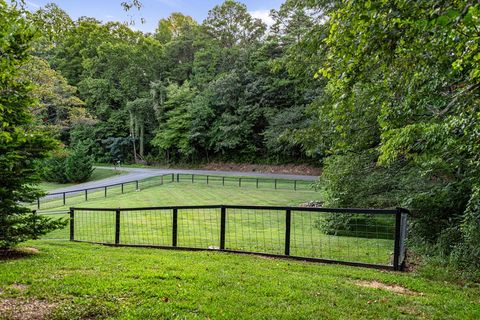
[[78, 165], [54, 168], [73, 166]]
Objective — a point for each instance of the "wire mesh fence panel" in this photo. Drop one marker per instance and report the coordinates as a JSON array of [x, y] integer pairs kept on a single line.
[[146, 227], [361, 236], [94, 226], [364, 238], [255, 230], [199, 228]]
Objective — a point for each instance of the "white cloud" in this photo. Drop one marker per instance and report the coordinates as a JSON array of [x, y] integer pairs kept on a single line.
[[263, 15]]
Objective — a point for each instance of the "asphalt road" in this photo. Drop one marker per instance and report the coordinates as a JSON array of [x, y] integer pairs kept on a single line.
[[133, 174]]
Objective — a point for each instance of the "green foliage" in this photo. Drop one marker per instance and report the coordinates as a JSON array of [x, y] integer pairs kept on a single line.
[[22, 143], [78, 165], [400, 108], [74, 165], [54, 168]]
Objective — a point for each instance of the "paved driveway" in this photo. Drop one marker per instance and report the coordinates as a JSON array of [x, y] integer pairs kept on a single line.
[[143, 173]]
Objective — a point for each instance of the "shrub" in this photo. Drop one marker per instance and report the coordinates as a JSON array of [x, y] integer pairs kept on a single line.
[[54, 168], [64, 167], [78, 165]]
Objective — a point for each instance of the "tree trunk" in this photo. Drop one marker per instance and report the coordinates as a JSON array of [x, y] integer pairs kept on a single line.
[[132, 134], [142, 135]]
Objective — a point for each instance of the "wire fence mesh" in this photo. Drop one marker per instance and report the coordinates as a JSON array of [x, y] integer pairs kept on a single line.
[[355, 236]]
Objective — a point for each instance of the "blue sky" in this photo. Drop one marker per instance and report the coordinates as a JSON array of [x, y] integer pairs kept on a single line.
[[152, 11]]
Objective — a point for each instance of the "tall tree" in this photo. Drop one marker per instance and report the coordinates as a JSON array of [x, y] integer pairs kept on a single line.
[[231, 24], [21, 143]]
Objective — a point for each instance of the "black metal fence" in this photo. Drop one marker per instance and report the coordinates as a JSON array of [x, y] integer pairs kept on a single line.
[[246, 182], [73, 197], [360, 237]]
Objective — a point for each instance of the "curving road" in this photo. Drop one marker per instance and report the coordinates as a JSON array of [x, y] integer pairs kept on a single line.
[[143, 173]]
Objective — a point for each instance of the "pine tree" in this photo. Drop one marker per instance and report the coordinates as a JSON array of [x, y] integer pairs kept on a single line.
[[21, 143]]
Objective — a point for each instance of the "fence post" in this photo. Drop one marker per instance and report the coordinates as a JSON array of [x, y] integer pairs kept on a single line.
[[257, 183], [136, 183], [175, 227], [178, 177], [193, 177], [288, 227], [122, 188], [295, 185], [223, 220], [38, 203], [275, 184], [105, 191], [117, 226], [72, 224], [207, 178], [64, 198], [239, 182], [86, 194], [161, 180], [396, 249], [223, 181]]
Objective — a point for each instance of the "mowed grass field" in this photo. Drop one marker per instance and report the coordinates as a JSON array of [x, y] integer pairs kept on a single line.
[[249, 230], [82, 281]]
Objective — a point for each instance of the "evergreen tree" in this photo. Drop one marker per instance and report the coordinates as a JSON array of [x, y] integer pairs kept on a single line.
[[21, 144]]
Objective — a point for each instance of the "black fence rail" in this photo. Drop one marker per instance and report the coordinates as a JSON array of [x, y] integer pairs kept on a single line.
[[59, 199], [74, 197], [360, 237], [246, 182]]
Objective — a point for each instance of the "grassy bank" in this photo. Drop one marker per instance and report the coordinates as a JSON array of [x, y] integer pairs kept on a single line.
[[79, 281]]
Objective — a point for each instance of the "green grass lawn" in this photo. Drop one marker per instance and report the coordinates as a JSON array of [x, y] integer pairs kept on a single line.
[[98, 174], [260, 231], [83, 281]]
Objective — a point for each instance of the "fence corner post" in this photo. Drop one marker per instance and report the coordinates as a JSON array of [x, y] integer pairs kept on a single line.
[[72, 224], [38, 203], [223, 220], [288, 228], [117, 227]]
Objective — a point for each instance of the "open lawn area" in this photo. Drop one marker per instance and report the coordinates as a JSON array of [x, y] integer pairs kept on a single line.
[[185, 193], [98, 174], [83, 281], [246, 230]]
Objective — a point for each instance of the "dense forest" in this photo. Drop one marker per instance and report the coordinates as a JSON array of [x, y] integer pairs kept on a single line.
[[384, 95], [226, 89]]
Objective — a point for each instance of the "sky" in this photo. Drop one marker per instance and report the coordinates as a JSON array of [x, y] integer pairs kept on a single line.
[[152, 10]]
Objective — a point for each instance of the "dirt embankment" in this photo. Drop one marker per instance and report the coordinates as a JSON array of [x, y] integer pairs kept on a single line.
[[300, 169]]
